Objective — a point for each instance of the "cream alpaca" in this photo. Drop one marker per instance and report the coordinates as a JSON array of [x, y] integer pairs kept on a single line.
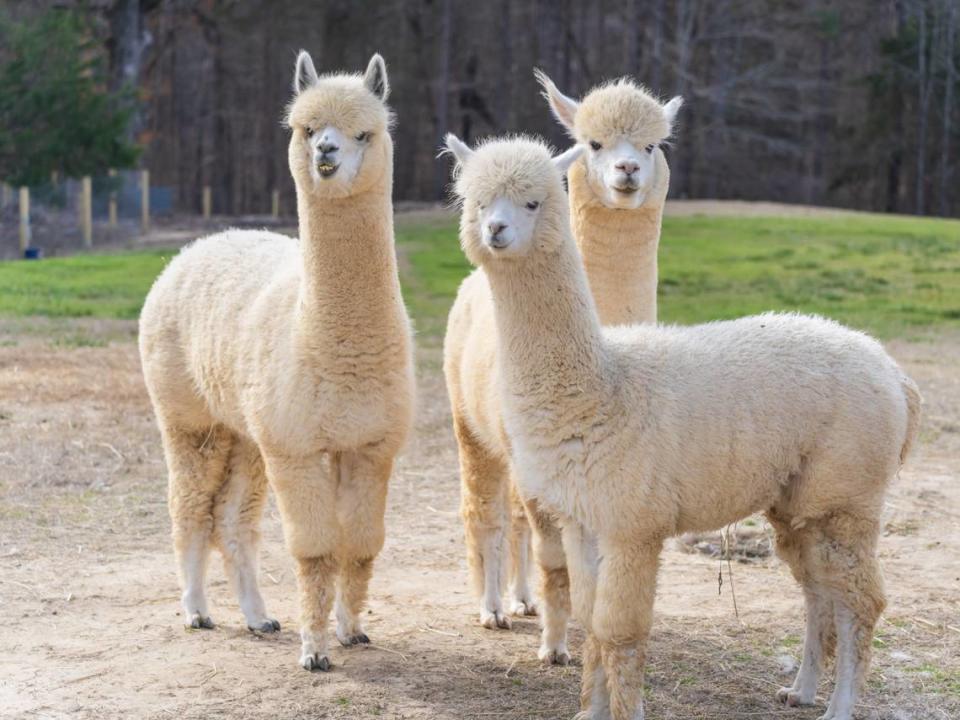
[[616, 195], [637, 433], [272, 359]]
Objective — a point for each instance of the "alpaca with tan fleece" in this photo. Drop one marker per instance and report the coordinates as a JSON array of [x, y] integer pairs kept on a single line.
[[637, 433], [289, 362], [617, 193]]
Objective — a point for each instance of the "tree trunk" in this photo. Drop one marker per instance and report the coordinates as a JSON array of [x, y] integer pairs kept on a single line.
[[950, 81]]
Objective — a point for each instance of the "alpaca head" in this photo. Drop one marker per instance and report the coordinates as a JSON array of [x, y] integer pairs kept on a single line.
[[340, 143], [512, 194], [622, 126]]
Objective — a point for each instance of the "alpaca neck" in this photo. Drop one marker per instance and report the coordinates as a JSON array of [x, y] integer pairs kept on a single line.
[[619, 251], [350, 278], [549, 338]]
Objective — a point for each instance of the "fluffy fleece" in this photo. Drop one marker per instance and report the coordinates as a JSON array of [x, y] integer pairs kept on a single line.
[[635, 434], [619, 250], [618, 246], [289, 361]]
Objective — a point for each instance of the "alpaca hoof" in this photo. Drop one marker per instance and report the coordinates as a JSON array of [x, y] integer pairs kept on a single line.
[[495, 619], [358, 639], [200, 622], [315, 662], [554, 656], [267, 626], [523, 608], [793, 698]]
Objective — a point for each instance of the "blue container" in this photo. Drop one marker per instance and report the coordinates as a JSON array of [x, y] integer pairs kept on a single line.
[[32, 253]]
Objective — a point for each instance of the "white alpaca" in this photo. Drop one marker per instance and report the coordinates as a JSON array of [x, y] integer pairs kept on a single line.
[[272, 359], [638, 433], [617, 193]]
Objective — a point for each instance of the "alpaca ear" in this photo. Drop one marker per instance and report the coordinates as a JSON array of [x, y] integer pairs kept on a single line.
[[564, 160], [671, 109], [375, 78], [306, 74], [564, 108], [458, 148]]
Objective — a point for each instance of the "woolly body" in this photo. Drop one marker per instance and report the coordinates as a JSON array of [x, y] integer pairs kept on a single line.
[[291, 360], [635, 434]]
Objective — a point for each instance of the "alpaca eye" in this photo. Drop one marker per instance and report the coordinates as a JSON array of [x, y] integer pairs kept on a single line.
[[309, 131], [533, 205], [650, 148], [363, 136], [595, 145]]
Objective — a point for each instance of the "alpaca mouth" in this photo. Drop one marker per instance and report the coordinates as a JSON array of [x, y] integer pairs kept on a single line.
[[327, 169], [626, 189]]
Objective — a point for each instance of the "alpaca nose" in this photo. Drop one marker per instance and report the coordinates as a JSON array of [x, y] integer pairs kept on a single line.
[[628, 166], [496, 227], [326, 147]]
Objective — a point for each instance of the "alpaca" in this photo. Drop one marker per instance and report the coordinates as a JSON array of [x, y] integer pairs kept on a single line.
[[637, 433], [269, 359], [617, 194], [624, 170]]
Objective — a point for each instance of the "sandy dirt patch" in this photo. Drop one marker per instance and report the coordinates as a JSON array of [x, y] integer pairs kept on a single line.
[[90, 595]]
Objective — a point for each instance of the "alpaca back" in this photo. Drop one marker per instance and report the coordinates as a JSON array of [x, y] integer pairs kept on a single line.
[[218, 301], [470, 362], [723, 419]]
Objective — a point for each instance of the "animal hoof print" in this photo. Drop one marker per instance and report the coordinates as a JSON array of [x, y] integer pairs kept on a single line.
[[200, 622], [267, 626], [315, 662]]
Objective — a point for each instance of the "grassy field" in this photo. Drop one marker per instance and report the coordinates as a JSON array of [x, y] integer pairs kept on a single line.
[[895, 277]]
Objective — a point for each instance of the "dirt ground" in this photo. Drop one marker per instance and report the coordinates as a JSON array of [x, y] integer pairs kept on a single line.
[[90, 596]]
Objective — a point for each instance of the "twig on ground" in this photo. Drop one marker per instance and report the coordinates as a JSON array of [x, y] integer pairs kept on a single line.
[[388, 650], [112, 449], [427, 628]]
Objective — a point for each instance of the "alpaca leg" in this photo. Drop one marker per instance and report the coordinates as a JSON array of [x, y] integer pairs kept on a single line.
[[622, 616], [847, 560], [582, 555], [521, 597], [554, 585], [796, 548], [361, 504], [594, 697], [196, 461], [817, 647], [237, 514], [483, 507], [305, 489]]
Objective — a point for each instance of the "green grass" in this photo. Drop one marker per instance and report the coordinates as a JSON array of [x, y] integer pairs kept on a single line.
[[112, 286], [893, 276]]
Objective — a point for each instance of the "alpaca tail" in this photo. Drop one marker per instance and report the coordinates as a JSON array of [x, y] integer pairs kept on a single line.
[[911, 394]]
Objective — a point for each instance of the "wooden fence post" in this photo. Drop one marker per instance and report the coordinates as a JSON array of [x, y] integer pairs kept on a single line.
[[207, 202], [275, 204], [145, 200], [86, 211], [112, 202], [24, 219], [5, 194]]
